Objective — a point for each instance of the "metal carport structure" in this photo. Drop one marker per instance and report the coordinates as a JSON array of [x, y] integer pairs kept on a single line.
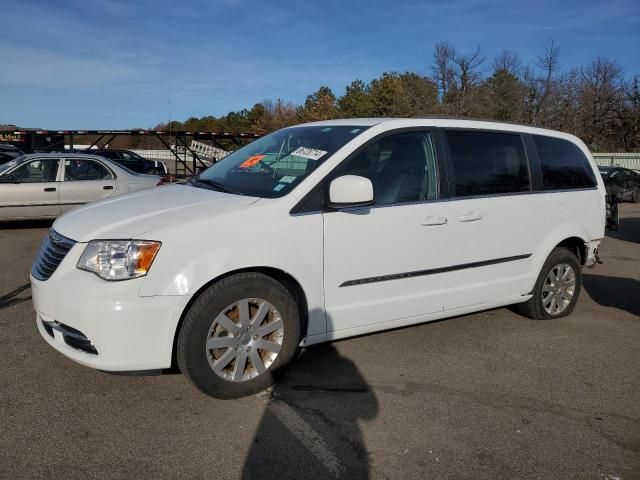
[[177, 142]]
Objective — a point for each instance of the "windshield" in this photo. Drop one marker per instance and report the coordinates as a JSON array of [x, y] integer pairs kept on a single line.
[[12, 163], [273, 165]]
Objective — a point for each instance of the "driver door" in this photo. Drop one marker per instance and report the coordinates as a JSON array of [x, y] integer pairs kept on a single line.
[[383, 262]]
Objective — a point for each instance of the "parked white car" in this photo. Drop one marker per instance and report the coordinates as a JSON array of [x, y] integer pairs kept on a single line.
[[46, 185], [319, 232]]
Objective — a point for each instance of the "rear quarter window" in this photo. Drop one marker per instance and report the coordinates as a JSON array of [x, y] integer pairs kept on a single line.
[[564, 166], [488, 163]]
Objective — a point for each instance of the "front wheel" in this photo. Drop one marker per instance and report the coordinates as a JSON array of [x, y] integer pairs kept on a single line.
[[238, 334], [635, 197], [557, 288]]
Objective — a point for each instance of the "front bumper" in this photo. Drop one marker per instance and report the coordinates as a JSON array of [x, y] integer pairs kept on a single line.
[[128, 332]]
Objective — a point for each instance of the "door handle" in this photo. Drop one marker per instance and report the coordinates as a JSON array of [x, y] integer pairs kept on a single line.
[[108, 187], [433, 220], [470, 217], [50, 189]]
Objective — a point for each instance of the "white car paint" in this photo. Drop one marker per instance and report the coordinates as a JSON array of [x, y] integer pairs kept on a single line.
[[207, 234]]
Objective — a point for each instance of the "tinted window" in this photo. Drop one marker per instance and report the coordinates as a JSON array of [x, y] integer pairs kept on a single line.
[[563, 164], [36, 171], [487, 163], [401, 167], [78, 169]]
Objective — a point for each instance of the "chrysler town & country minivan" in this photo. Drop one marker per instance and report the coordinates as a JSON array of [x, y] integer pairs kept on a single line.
[[319, 232]]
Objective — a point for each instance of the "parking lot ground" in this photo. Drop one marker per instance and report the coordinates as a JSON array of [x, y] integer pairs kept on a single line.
[[489, 395]]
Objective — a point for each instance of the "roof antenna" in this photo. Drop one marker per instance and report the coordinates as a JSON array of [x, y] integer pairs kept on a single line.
[[169, 95]]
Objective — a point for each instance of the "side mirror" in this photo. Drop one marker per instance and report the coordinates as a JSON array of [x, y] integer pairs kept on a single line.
[[350, 191]]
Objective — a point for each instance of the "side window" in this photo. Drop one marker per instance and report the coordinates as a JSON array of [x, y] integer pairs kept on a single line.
[[401, 167], [80, 169], [37, 171], [488, 163], [563, 164]]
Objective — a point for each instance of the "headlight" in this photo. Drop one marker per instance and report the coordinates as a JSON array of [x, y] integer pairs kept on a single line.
[[118, 259]]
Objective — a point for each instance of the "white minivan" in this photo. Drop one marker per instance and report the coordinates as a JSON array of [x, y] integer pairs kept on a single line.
[[319, 232]]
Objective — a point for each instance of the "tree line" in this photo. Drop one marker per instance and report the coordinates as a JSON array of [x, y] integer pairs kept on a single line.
[[596, 101]]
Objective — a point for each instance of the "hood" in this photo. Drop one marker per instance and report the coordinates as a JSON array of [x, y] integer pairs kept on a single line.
[[131, 215]]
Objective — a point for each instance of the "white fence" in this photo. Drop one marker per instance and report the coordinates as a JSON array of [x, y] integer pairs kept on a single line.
[[627, 160]]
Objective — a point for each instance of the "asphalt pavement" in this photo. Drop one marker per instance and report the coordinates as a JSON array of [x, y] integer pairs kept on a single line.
[[488, 395]]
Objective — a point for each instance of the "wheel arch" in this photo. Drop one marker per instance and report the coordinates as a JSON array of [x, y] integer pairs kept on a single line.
[[577, 246], [569, 236], [284, 278]]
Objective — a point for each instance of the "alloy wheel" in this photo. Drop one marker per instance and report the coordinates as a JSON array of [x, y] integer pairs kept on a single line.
[[558, 289], [244, 339]]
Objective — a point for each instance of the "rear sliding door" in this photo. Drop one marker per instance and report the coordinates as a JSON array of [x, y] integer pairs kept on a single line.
[[495, 222]]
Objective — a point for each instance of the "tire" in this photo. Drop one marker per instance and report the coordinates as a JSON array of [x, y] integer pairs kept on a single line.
[[635, 197], [216, 371], [540, 306]]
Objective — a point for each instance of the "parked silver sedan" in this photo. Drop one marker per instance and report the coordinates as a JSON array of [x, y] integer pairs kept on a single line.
[[45, 185]]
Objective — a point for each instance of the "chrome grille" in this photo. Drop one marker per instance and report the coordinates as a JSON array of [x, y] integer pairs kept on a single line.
[[52, 251]]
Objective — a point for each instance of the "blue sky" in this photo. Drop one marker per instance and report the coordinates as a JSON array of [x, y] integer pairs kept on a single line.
[[111, 64]]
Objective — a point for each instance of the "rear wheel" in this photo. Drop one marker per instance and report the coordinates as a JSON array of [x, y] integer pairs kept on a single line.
[[635, 197], [557, 288], [238, 335]]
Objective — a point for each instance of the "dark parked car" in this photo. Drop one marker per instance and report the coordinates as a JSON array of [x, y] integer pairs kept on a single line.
[[621, 183], [8, 152], [133, 161]]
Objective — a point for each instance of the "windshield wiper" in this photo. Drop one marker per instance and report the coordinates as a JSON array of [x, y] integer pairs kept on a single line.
[[211, 183]]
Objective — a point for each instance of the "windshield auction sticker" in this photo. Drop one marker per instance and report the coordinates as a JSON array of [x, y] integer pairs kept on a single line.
[[251, 161], [310, 153]]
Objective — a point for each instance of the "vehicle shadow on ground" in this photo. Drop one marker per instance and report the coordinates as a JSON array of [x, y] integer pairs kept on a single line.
[[12, 297], [25, 224], [628, 231], [310, 427], [617, 292]]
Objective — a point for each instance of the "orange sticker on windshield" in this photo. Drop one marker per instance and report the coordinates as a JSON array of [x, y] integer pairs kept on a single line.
[[252, 161]]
